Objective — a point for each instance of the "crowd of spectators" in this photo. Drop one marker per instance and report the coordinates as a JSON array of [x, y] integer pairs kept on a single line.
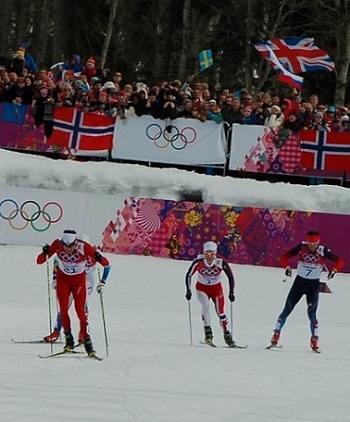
[[90, 89]]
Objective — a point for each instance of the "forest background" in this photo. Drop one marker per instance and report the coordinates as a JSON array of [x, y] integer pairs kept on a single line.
[[154, 40]]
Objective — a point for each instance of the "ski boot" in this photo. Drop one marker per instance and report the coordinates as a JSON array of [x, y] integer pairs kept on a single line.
[[275, 338], [69, 342], [51, 338], [208, 334], [314, 344], [89, 348], [228, 339]]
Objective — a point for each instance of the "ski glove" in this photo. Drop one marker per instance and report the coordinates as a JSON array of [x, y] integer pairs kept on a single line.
[[100, 286], [332, 273], [288, 272], [46, 249], [188, 295], [231, 296]]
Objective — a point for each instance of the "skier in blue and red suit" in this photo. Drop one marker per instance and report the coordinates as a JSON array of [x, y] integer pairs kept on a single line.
[[311, 262]]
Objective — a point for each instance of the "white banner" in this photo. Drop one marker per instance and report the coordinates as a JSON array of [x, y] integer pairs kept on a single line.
[[38, 216], [179, 141], [246, 142]]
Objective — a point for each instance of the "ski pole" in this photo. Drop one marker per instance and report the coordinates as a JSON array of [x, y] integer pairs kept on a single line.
[[190, 321], [103, 313], [49, 299], [231, 312]]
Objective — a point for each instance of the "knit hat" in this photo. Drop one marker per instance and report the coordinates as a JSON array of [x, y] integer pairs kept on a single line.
[[210, 246], [91, 61], [278, 109], [20, 52], [69, 237]]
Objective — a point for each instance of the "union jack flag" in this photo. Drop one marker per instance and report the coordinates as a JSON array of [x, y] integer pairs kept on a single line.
[[283, 74], [297, 55], [84, 131], [325, 150]]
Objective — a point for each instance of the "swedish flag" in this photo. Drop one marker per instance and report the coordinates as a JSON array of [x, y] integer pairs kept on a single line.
[[205, 59]]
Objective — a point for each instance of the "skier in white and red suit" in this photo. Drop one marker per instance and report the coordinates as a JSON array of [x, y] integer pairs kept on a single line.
[[72, 254], [209, 268]]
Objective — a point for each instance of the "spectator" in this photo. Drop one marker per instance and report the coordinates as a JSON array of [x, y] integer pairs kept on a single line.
[[17, 64], [169, 110], [187, 112], [66, 97], [117, 79], [276, 119], [89, 69], [214, 112], [314, 100], [231, 112], [319, 123], [329, 116], [344, 124], [248, 117], [294, 122], [43, 110], [20, 93]]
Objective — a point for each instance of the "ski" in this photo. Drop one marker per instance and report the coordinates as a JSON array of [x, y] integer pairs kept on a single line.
[[94, 356], [208, 343], [34, 342], [318, 351], [235, 346], [238, 346], [273, 346], [62, 352]]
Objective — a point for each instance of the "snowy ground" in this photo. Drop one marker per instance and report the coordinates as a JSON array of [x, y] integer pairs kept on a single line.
[[152, 373]]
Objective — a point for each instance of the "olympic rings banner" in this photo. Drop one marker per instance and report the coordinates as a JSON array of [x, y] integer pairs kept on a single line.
[[179, 141], [37, 216]]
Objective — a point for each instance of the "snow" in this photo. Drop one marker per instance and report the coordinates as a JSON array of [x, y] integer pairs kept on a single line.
[[153, 373]]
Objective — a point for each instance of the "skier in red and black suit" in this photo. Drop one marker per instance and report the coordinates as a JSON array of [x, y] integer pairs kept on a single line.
[[72, 255], [311, 263], [208, 286]]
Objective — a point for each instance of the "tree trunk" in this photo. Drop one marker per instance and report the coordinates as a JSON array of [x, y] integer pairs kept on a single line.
[[343, 47], [107, 40], [248, 47], [186, 16], [163, 45], [5, 28]]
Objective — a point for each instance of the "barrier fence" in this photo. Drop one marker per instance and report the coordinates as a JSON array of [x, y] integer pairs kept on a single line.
[[179, 142]]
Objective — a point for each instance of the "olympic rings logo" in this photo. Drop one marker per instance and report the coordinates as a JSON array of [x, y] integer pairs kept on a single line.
[[312, 259], [210, 272], [30, 212], [171, 135]]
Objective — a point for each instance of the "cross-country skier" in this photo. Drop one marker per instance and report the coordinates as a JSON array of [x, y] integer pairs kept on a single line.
[[72, 254], [311, 262], [90, 280], [209, 268]]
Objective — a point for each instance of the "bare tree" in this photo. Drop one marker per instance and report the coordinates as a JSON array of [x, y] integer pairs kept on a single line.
[[186, 30], [110, 26]]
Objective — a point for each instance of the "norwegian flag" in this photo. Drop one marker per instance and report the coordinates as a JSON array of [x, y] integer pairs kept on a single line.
[[324, 150], [297, 55], [77, 130]]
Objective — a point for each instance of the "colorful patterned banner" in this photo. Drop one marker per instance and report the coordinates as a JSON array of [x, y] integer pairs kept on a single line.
[[254, 236]]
